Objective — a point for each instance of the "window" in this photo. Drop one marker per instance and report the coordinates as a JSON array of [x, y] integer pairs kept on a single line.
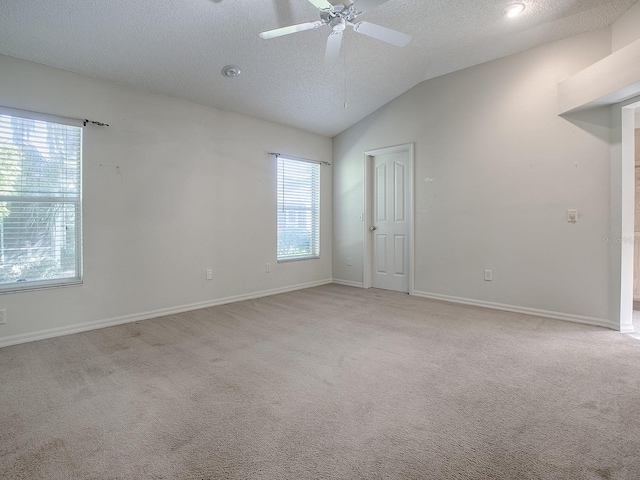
[[298, 209], [40, 203]]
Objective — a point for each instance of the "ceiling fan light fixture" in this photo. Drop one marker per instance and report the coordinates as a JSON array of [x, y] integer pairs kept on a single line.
[[338, 24], [231, 71], [514, 10]]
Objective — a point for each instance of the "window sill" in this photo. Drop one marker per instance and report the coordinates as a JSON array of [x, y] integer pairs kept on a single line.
[[31, 286], [287, 260]]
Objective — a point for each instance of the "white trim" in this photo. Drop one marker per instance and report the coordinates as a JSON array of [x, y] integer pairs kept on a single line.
[[348, 283], [368, 178], [110, 322], [599, 322], [627, 214], [627, 329]]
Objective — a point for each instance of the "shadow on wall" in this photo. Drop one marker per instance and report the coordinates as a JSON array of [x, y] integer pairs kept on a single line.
[[596, 121]]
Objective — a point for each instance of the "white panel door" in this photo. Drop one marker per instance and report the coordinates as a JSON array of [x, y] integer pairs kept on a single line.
[[390, 225]]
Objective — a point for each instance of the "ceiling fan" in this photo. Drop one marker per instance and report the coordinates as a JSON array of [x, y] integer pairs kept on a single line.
[[338, 17]]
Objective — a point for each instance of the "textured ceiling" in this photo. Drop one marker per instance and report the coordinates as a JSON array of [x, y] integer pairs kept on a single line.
[[178, 48]]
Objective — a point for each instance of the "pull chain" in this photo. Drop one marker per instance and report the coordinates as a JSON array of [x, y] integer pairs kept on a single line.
[[345, 77]]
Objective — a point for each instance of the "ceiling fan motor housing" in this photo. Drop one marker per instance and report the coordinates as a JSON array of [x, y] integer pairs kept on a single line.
[[339, 13], [338, 17], [338, 24]]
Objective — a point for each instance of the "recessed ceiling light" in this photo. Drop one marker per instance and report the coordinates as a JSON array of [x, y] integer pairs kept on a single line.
[[231, 71], [514, 10]]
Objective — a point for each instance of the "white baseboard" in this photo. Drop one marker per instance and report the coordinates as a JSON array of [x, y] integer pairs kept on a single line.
[[598, 322], [348, 283], [110, 322]]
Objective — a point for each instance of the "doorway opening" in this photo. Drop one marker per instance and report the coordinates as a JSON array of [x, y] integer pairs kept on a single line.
[[389, 216]]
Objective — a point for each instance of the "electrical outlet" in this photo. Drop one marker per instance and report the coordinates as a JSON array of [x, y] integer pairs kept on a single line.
[[348, 261], [3, 316], [572, 215], [488, 276], [209, 274], [268, 269]]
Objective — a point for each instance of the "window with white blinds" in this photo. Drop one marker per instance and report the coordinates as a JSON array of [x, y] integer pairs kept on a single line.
[[40, 203], [298, 209]]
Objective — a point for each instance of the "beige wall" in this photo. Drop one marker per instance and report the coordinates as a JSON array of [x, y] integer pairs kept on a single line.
[[496, 170], [626, 29], [197, 191]]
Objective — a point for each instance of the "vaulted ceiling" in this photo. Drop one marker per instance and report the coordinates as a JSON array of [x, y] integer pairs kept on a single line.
[[178, 48]]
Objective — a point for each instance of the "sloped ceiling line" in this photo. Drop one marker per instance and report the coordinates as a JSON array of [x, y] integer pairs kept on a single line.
[[178, 49]]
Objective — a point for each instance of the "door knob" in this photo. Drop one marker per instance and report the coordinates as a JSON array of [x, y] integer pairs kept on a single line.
[[373, 227]]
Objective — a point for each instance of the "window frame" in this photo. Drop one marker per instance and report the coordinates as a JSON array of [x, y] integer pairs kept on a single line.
[[77, 279], [315, 200]]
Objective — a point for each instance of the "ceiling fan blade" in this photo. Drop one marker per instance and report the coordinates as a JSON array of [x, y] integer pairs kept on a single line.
[[366, 5], [332, 53], [385, 34], [279, 32], [322, 4]]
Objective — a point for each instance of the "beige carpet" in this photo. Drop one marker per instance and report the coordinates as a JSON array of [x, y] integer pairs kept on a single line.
[[330, 382]]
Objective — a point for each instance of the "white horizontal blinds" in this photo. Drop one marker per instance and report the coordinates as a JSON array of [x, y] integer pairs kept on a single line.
[[40, 201], [298, 209]]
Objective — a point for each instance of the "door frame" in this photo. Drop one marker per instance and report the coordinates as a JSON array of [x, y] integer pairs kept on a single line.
[[367, 259], [626, 197]]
